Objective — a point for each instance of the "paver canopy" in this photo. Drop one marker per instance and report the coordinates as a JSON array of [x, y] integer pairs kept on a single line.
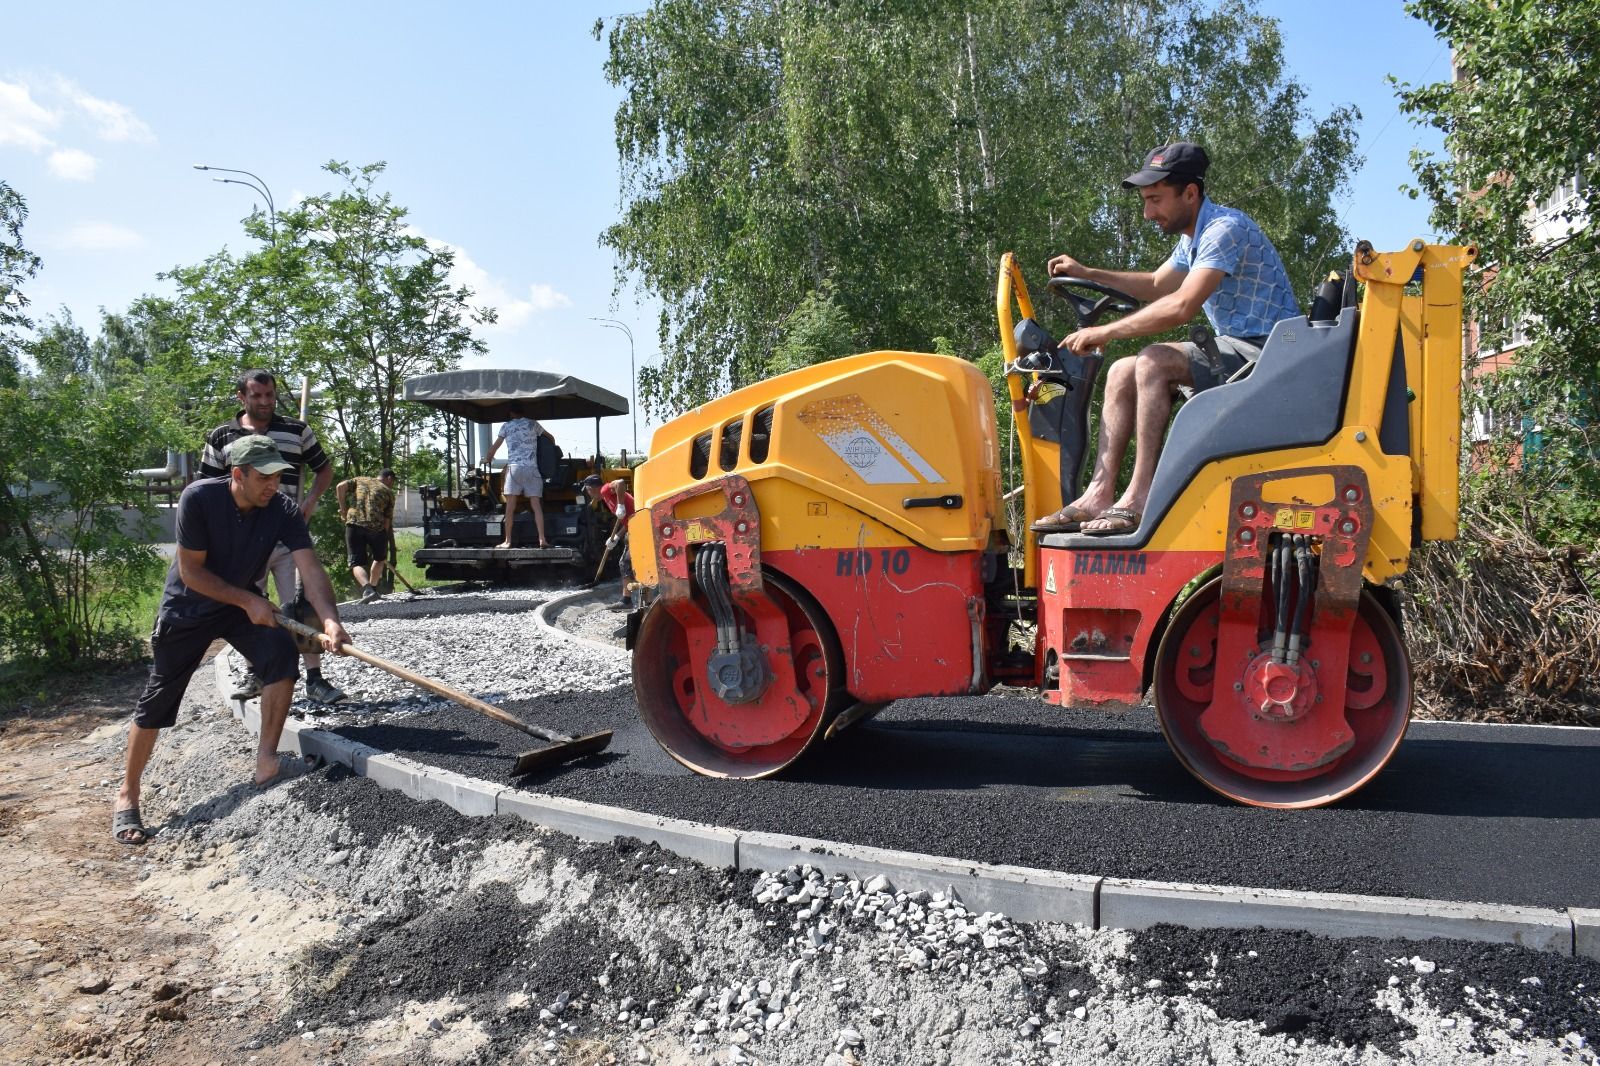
[[487, 395]]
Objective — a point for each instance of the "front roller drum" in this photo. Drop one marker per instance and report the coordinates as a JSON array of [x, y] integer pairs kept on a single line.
[[679, 705], [1377, 707]]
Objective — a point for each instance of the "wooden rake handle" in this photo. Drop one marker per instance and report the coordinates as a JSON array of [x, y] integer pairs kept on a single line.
[[438, 688]]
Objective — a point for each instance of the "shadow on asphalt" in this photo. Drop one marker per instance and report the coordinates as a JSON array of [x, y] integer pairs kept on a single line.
[[1452, 778]]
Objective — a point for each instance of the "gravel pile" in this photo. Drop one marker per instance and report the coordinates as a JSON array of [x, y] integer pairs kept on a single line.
[[453, 635]]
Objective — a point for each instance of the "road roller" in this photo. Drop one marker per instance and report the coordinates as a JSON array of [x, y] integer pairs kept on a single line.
[[814, 546]]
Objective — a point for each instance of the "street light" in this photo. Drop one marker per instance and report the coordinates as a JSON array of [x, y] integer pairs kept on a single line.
[[633, 372], [257, 184]]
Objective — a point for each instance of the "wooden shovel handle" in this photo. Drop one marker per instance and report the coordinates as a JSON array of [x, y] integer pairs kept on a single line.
[[436, 687]]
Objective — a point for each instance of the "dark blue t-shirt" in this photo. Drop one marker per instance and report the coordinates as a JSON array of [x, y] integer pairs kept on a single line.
[[237, 544]]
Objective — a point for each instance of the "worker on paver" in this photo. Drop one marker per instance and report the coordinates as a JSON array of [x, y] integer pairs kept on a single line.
[[521, 438], [257, 391], [367, 506], [615, 497], [227, 528], [1223, 264]]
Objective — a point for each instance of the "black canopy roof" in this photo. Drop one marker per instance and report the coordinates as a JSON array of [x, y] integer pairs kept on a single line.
[[487, 395]]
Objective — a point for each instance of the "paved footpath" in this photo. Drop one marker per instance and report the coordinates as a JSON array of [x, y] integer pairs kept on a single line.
[[1490, 814]]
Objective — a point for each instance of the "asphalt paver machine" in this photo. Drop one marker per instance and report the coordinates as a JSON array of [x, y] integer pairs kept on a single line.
[[463, 521], [823, 542]]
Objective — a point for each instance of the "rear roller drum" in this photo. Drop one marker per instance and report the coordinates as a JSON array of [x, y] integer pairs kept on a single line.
[[804, 689], [1377, 706]]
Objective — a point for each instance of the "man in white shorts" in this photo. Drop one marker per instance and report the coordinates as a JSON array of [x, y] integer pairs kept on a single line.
[[521, 438]]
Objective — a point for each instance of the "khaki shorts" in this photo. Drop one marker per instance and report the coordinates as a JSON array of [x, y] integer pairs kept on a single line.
[[522, 479], [1234, 353]]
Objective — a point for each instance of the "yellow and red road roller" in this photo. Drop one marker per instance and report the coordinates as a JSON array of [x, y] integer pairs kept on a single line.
[[816, 545]]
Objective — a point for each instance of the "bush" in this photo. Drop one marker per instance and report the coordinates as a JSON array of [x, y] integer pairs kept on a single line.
[[67, 567], [1503, 625]]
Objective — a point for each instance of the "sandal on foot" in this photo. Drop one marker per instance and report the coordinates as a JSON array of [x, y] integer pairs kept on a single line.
[[1122, 519], [126, 821], [1066, 520]]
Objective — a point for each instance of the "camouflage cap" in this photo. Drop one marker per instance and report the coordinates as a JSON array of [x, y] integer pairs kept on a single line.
[[257, 451]]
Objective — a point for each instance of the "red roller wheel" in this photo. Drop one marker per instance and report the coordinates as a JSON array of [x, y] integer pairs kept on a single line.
[[755, 739], [1377, 706]]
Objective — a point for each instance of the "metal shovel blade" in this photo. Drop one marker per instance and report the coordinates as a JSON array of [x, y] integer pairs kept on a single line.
[[560, 752]]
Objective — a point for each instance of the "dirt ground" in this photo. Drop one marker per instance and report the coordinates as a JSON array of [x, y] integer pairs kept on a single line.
[[89, 968]]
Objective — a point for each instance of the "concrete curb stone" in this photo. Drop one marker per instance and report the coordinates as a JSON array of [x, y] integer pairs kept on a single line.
[[1585, 932], [1133, 904], [716, 848], [1023, 894], [542, 620]]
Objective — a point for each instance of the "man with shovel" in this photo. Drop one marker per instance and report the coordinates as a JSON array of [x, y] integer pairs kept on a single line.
[[615, 497], [226, 530]]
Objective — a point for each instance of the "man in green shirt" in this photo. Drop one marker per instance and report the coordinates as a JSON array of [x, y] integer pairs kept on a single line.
[[367, 505]]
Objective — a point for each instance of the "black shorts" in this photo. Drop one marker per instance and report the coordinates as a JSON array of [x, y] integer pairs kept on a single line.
[[178, 650], [363, 544]]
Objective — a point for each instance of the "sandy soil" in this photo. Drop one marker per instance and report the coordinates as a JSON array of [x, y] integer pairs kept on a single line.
[[90, 966]]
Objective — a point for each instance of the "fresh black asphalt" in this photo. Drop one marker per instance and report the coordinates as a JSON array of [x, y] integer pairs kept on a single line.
[[1499, 814]]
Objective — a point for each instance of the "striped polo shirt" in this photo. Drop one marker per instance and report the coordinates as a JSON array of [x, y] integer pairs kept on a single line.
[[293, 437]]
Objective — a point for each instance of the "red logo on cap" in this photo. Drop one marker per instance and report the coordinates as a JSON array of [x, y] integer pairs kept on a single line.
[[1158, 160]]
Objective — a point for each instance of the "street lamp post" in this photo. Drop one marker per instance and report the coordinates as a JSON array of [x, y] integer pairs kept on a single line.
[[257, 184], [633, 374]]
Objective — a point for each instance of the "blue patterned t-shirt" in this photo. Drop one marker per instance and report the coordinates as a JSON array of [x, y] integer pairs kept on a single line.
[[521, 436], [1255, 295]]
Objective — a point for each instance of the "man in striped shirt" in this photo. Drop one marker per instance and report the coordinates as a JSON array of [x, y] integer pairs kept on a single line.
[[257, 391]]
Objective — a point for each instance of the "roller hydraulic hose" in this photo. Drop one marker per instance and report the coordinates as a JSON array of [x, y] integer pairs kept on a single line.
[[1306, 579], [737, 670]]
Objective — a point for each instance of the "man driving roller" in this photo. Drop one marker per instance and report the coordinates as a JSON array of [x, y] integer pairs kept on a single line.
[[1222, 264]]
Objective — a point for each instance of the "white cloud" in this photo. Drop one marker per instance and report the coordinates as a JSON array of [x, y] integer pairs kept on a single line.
[[514, 311], [31, 111], [546, 298], [72, 164], [99, 237], [23, 121], [111, 121]]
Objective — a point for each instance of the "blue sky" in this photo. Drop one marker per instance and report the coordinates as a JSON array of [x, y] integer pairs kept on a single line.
[[496, 123]]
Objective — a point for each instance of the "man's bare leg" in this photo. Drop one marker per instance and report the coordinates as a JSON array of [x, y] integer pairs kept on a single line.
[[1157, 371], [274, 711], [360, 574], [141, 742], [377, 570], [1118, 414], [511, 514]]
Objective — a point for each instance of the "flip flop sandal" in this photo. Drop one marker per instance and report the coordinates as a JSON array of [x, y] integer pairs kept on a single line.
[[127, 821], [1066, 520], [1126, 522]]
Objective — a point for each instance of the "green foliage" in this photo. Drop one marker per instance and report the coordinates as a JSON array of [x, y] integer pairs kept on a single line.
[[815, 332], [1519, 125], [344, 291], [66, 561], [75, 418], [794, 175], [17, 265]]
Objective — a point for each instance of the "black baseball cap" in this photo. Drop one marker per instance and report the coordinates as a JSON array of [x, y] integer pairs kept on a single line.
[[1181, 158], [590, 482]]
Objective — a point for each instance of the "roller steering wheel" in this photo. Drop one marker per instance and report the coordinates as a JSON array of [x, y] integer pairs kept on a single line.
[[1088, 309]]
